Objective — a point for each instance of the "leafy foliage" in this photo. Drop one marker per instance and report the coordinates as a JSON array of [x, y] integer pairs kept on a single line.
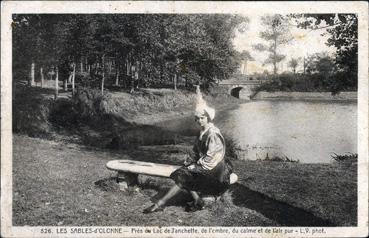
[[276, 33], [293, 63], [142, 49], [320, 63], [343, 34], [314, 82]]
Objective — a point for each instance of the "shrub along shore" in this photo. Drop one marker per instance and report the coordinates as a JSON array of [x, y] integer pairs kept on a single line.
[[323, 96], [92, 116]]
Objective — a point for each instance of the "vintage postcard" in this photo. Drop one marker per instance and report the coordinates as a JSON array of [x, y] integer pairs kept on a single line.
[[184, 119]]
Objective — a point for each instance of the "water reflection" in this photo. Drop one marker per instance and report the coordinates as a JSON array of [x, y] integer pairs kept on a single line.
[[307, 131], [301, 130]]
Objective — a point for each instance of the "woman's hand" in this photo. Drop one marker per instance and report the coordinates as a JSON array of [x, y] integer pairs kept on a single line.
[[188, 161], [191, 167]]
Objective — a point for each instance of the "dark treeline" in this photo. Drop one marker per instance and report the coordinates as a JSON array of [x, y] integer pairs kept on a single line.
[[130, 50], [341, 72]]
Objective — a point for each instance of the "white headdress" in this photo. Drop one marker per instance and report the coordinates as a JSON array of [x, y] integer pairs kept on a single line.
[[201, 107]]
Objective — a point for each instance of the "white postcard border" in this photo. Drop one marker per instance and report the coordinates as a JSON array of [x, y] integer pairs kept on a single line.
[[8, 8]]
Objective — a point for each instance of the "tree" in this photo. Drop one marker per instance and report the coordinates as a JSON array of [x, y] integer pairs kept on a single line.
[[293, 63], [27, 35], [343, 34], [162, 48], [276, 33], [320, 63], [245, 56], [38, 41], [195, 47]]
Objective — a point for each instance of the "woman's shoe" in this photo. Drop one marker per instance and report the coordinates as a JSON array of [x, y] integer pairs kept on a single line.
[[195, 206], [200, 203], [190, 207], [153, 208]]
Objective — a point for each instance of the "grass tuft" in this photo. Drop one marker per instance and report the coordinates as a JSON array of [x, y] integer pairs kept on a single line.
[[280, 159], [232, 148], [107, 185], [345, 158]]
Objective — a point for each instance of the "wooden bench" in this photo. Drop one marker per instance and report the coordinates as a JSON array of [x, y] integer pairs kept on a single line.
[[128, 171]]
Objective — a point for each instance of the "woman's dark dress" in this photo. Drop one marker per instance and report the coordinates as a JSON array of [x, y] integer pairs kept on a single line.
[[210, 176]]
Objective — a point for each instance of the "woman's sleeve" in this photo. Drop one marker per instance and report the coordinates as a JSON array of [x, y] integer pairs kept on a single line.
[[214, 153]]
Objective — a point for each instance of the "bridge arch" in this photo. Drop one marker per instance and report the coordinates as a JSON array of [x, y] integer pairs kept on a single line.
[[235, 91], [243, 89]]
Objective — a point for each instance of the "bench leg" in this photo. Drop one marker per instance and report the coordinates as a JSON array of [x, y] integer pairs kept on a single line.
[[126, 179], [209, 200], [212, 199]]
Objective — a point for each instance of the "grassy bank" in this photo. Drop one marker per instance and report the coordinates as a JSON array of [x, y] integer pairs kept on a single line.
[[147, 106], [36, 113], [73, 187]]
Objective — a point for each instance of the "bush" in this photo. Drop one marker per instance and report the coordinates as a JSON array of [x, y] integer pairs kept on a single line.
[[342, 82], [85, 80], [231, 148], [334, 83], [89, 103], [345, 158], [92, 106], [31, 112], [280, 159], [63, 114]]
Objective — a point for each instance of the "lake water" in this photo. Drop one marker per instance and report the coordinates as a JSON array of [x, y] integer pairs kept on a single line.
[[306, 131]]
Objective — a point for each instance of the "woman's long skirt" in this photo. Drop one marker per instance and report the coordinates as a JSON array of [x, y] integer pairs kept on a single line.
[[206, 182]]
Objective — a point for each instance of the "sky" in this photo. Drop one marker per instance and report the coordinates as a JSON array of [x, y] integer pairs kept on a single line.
[[305, 42]]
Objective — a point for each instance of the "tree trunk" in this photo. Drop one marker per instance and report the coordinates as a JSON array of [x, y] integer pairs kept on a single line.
[[128, 66], [175, 81], [92, 68], [117, 76], [86, 64], [66, 81], [42, 77], [65, 85], [69, 76], [56, 82], [110, 66], [74, 76], [81, 66], [52, 73], [127, 79], [32, 79], [275, 57], [136, 79], [103, 74], [137, 74], [132, 77], [245, 68]]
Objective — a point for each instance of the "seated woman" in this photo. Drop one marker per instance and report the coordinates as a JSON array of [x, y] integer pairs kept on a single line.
[[208, 172]]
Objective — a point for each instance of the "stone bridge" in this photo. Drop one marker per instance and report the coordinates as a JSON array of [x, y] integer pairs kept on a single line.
[[243, 89]]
